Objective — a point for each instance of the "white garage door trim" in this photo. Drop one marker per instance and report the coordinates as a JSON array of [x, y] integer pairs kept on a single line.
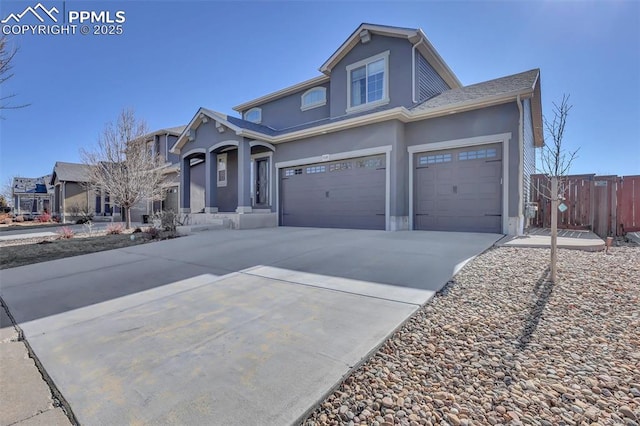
[[502, 138], [385, 149]]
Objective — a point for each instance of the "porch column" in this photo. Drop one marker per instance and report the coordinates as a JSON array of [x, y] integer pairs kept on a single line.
[[244, 177], [210, 183], [18, 205], [185, 185]]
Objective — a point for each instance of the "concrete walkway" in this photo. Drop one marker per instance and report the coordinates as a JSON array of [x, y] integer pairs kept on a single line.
[[225, 327], [567, 239], [25, 398]]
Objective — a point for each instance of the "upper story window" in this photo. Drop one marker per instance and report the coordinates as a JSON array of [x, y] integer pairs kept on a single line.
[[368, 83], [313, 98], [254, 115]]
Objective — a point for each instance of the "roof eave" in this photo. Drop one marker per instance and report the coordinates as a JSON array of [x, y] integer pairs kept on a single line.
[[196, 121], [282, 92], [471, 105], [352, 41]]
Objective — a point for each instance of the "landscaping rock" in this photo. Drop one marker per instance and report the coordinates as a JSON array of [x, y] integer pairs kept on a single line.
[[502, 345]]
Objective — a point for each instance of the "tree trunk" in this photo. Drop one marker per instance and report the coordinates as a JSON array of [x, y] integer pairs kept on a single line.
[[554, 227], [128, 225]]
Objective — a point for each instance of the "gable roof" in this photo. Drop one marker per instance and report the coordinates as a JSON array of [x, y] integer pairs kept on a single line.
[[413, 35], [70, 172], [235, 124], [174, 131], [482, 91]]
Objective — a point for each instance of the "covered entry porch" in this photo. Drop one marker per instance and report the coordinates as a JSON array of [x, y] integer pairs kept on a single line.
[[227, 181]]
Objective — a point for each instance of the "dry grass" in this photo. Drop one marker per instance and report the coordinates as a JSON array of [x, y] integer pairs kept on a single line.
[[12, 256]]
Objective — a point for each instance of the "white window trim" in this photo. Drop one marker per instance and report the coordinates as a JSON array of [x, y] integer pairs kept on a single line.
[[502, 138], [259, 114], [385, 84], [304, 107], [219, 182]]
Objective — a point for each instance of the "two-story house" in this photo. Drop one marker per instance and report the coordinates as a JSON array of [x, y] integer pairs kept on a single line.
[[160, 142], [385, 138]]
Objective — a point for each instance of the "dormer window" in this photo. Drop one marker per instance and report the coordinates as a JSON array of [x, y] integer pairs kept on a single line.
[[368, 83], [313, 98], [254, 115]]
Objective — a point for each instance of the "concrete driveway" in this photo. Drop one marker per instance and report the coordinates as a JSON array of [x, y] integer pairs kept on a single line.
[[225, 327]]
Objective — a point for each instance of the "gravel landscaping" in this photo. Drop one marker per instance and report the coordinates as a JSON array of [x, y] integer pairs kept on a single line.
[[501, 345]]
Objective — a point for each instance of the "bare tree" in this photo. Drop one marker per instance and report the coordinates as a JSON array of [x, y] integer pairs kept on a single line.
[[556, 162], [7, 54], [123, 166], [7, 190]]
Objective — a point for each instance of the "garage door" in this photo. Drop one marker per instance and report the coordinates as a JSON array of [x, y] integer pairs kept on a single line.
[[459, 189], [341, 194]]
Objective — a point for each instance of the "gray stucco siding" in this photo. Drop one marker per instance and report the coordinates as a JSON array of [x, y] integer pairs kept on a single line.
[[371, 136], [227, 196], [78, 198], [206, 136], [285, 112], [166, 142], [400, 76], [487, 121]]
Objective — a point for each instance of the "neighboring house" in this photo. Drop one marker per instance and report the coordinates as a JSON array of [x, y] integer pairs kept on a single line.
[[386, 138], [73, 198], [32, 196], [161, 142]]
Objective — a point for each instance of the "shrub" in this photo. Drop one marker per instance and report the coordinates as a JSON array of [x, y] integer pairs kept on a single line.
[[137, 230], [44, 218], [83, 220], [153, 232], [115, 229], [65, 233], [168, 220], [19, 218]]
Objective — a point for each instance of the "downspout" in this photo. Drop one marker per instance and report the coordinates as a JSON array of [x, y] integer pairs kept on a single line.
[[520, 225], [413, 71], [64, 204]]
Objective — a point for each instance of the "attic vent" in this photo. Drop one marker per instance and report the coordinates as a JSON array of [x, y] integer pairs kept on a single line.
[[365, 36]]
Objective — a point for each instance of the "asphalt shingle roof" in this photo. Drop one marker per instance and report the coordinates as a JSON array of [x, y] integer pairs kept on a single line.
[[476, 92], [71, 172]]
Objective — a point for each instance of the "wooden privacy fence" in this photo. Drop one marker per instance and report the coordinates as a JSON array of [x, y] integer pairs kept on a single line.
[[607, 205]]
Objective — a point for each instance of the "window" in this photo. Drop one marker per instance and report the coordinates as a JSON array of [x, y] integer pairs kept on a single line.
[[433, 159], [474, 155], [313, 98], [221, 168], [293, 172], [347, 165], [254, 115], [316, 169], [370, 163], [368, 82]]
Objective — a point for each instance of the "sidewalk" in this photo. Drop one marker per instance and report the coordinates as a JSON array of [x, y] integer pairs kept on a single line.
[[567, 239], [27, 400]]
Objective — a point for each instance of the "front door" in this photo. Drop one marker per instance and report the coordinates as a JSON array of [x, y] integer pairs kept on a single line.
[[262, 182]]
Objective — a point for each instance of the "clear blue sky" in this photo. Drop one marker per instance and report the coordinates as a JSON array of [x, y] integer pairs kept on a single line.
[[177, 56]]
